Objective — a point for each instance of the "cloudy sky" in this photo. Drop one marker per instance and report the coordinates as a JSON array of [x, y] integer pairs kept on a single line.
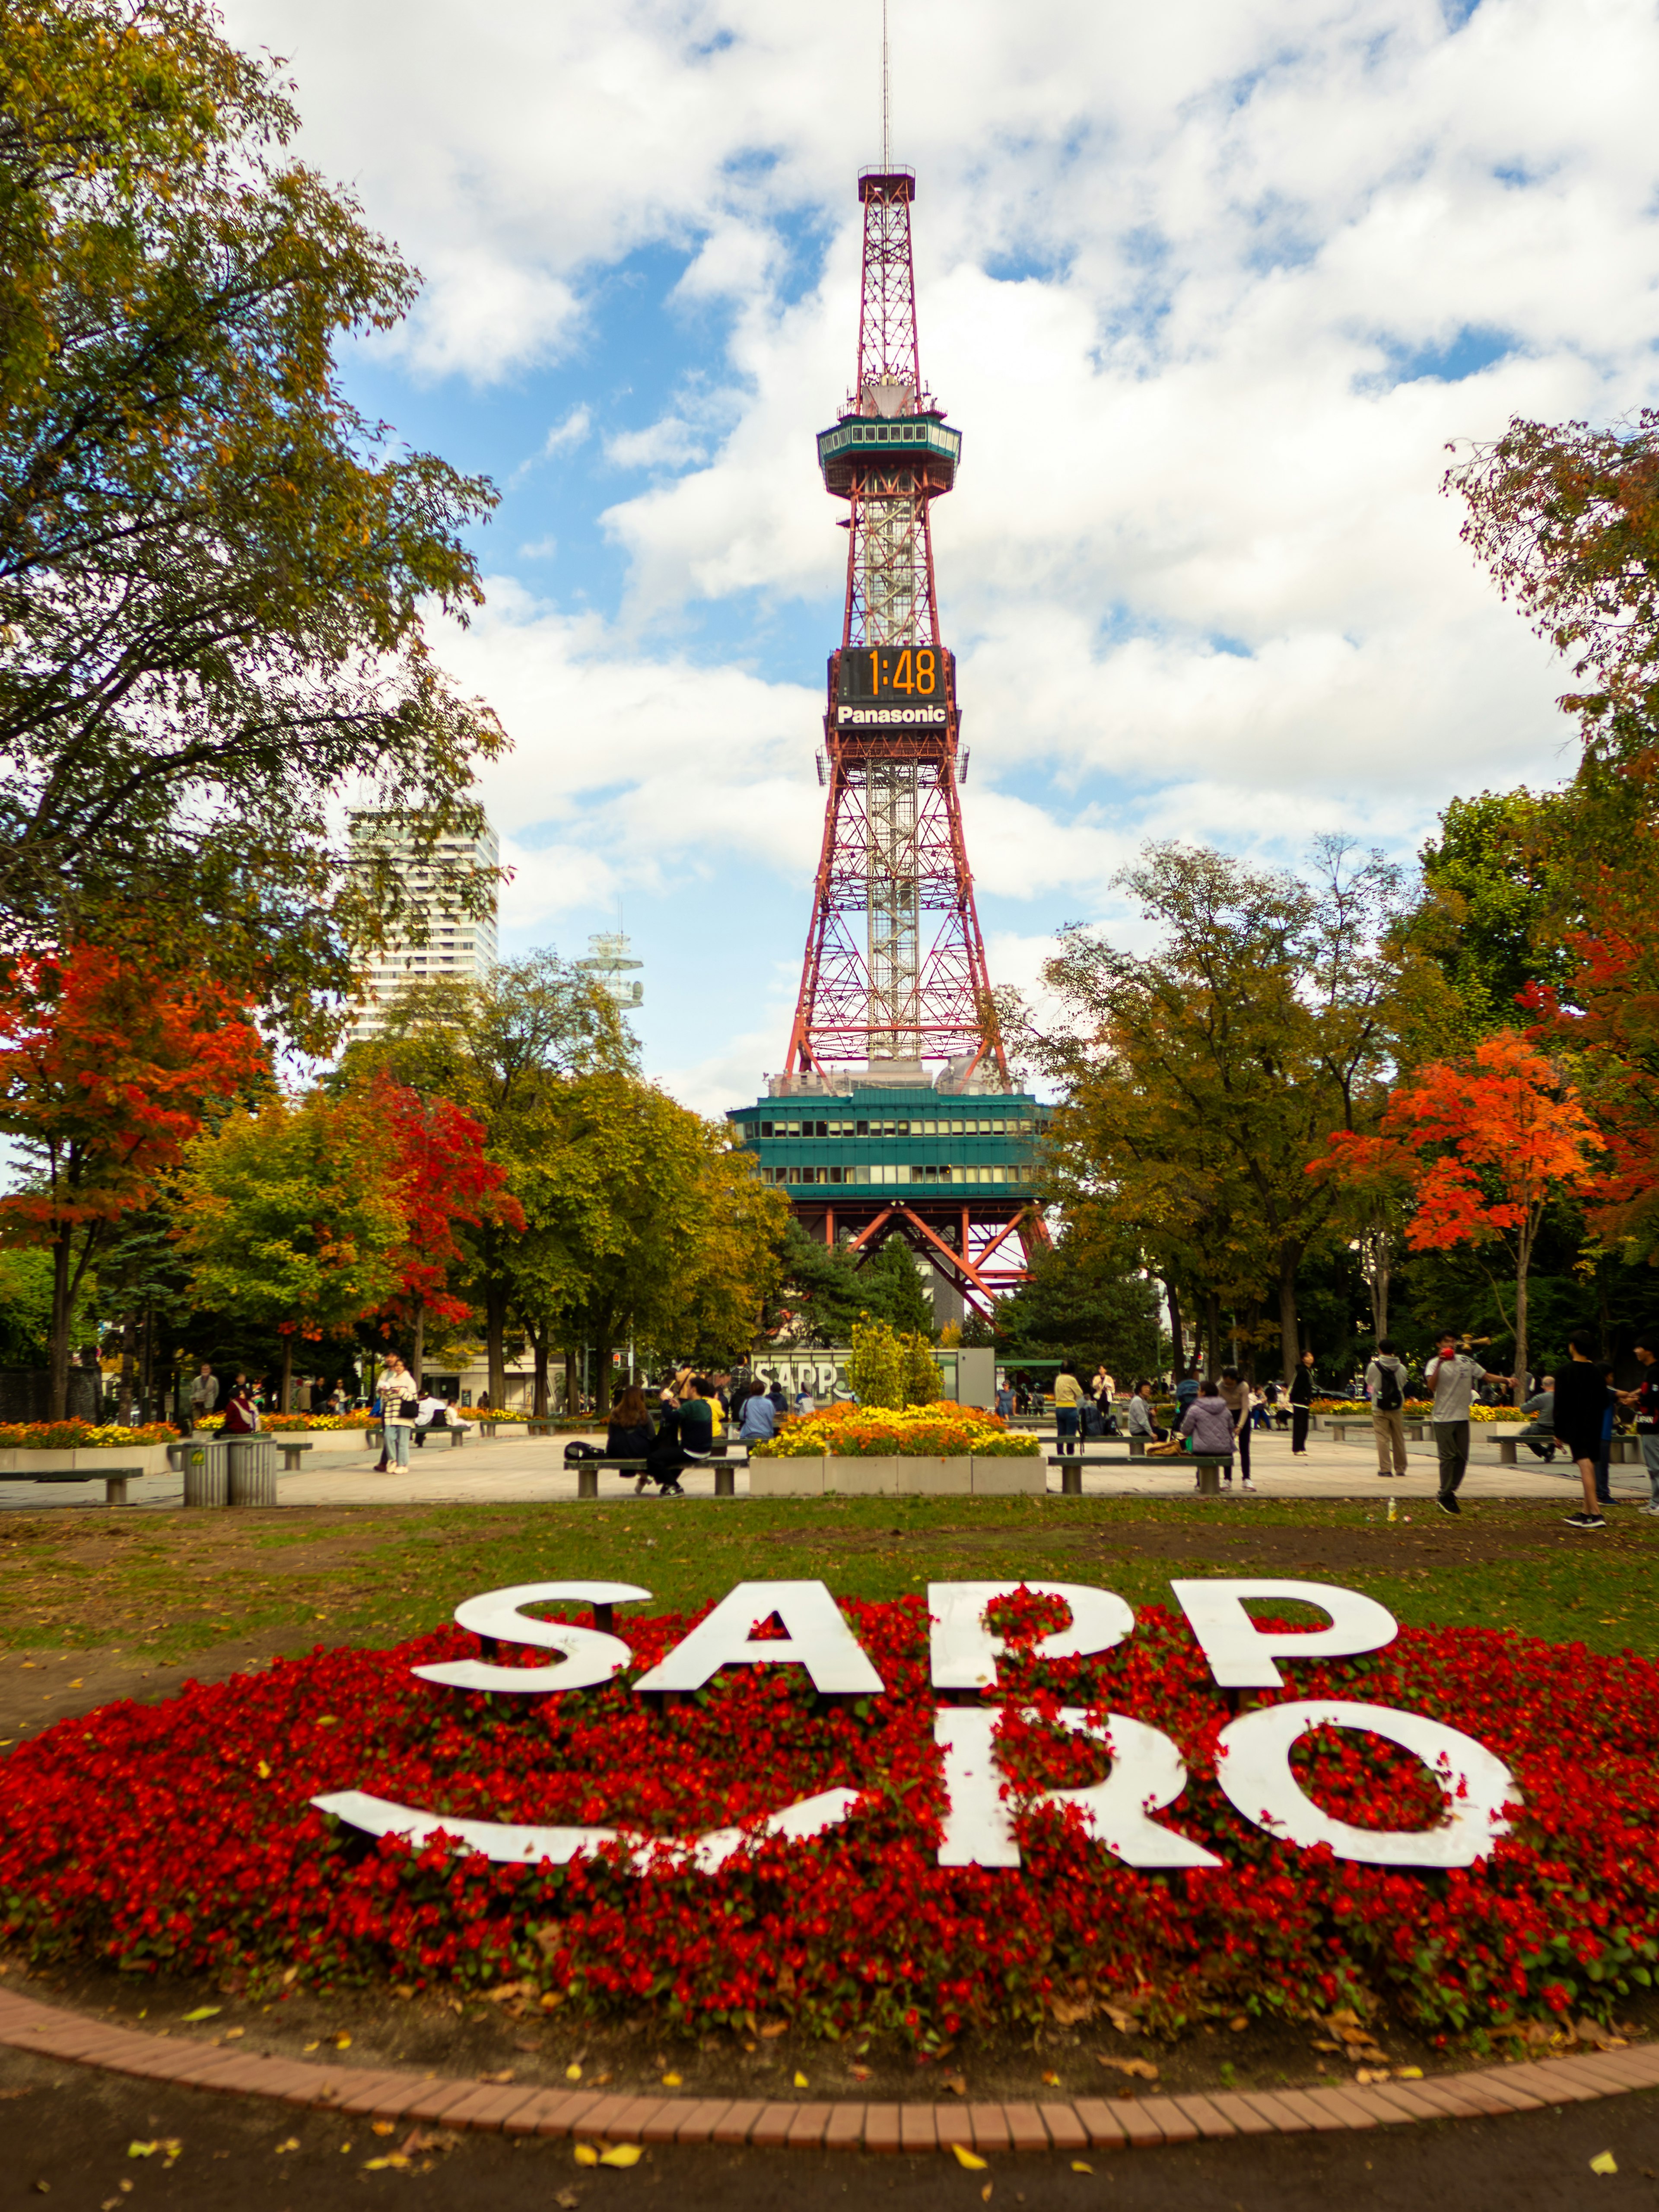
[[1209, 289]]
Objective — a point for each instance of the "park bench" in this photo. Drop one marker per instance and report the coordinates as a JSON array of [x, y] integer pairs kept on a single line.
[[587, 1473], [1071, 1485], [544, 1427], [114, 1480], [290, 1454], [423, 1434], [486, 1428]]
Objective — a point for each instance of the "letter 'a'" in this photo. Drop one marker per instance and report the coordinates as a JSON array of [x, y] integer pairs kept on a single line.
[[1240, 1655], [816, 1636]]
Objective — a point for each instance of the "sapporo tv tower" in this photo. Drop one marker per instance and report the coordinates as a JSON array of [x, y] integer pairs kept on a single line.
[[894, 1114]]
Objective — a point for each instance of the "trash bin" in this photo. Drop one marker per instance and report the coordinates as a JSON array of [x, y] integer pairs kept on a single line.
[[253, 1479], [205, 1481]]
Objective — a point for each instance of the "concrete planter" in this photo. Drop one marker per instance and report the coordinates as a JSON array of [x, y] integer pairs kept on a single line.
[[1011, 1478], [862, 1478], [935, 1478], [787, 1478], [50, 1462]]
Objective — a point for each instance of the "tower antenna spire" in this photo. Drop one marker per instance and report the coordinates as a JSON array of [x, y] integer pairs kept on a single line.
[[886, 103]]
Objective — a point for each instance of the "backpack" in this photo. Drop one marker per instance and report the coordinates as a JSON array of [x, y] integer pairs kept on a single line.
[[1389, 1398], [580, 1451]]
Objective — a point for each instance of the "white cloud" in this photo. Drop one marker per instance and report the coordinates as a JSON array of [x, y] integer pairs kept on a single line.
[[1199, 286], [571, 432]]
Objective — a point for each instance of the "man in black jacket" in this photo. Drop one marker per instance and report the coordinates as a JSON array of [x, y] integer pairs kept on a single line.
[[1302, 1398], [1581, 1405]]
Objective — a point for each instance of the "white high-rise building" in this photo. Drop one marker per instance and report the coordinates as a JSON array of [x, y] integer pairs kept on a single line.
[[458, 944]]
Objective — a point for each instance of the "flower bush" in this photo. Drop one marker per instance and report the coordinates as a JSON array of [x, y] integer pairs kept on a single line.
[[210, 1422], [83, 1435], [177, 1838], [941, 1430], [1419, 1409]]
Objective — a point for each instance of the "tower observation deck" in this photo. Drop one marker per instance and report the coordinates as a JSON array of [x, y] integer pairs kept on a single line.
[[894, 1114]]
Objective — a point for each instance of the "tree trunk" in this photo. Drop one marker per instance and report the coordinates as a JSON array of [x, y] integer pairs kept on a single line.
[[1290, 1343], [1212, 1333], [285, 1395], [124, 1388], [572, 1379], [601, 1351], [1523, 1269], [495, 1338], [1177, 1337], [539, 1345], [418, 1349], [148, 1368]]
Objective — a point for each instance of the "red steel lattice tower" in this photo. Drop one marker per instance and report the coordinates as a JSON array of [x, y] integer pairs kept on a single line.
[[895, 972]]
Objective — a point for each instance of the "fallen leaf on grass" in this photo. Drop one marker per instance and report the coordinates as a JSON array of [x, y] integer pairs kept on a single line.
[[985, 2194], [169, 2145], [673, 2081], [1604, 2162], [1081, 2166], [1239, 2023], [801, 2081], [428, 2139], [231, 2033], [312, 2047], [573, 2072], [379, 2165], [1067, 2011], [380, 2127], [621, 2155], [955, 2083], [771, 2027], [1408, 2073], [505, 2075], [1124, 2023], [971, 2160], [1367, 2075], [1052, 2080], [584, 2153], [1591, 2032], [1142, 2069], [203, 2012], [342, 2042], [567, 2200], [860, 2073], [293, 2144]]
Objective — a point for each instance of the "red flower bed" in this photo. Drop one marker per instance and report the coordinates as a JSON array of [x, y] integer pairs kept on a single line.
[[178, 1837]]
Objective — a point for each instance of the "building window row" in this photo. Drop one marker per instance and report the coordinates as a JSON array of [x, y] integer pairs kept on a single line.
[[895, 1171], [1002, 1126]]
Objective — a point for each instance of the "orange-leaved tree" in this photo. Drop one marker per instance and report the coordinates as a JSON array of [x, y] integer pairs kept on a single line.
[[1481, 1146], [106, 1070], [442, 1180]]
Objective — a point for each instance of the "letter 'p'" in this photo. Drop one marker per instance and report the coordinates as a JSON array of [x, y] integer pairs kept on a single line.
[[1241, 1655]]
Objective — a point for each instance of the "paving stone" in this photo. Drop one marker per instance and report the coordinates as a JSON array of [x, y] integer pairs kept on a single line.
[[990, 2127], [1239, 2113], [1204, 2117], [1570, 2080], [918, 2130], [629, 2126], [845, 2131], [1348, 2107], [1065, 2130], [536, 2116], [807, 2129], [1171, 2122], [664, 2125], [1104, 2129], [735, 2122], [372, 2092], [772, 2126], [881, 2129], [1025, 2127], [1280, 2117], [952, 2124], [1320, 2113], [569, 2105], [486, 2107], [1408, 2101], [701, 2120], [599, 2123], [1140, 2128]]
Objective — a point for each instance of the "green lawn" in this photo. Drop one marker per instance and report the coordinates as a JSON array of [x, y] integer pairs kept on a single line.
[[168, 1587]]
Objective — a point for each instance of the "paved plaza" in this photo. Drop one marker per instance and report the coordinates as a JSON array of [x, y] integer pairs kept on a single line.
[[484, 1472]]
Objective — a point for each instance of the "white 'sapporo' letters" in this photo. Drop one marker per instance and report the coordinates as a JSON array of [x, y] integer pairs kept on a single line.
[[815, 1636], [1240, 1655], [1253, 1766], [591, 1655], [965, 1650]]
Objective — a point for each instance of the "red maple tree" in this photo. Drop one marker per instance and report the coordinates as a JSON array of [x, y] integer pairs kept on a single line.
[[1481, 1146], [106, 1070], [443, 1180]]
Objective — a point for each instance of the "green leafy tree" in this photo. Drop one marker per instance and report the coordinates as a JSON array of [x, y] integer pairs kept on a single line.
[[1083, 1305], [213, 569], [289, 1215], [891, 1290], [1496, 901]]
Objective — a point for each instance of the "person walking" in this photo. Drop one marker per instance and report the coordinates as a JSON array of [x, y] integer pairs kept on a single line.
[[1643, 1402], [1301, 1397], [1385, 1386], [1236, 1396], [204, 1394], [1068, 1398], [1209, 1422], [1452, 1376], [759, 1416], [1581, 1403], [399, 1393]]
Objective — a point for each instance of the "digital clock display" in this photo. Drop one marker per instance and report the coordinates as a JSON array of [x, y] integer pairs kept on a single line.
[[895, 675]]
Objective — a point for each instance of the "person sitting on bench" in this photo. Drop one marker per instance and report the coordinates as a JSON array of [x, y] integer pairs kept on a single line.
[[1210, 1422], [629, 1433], [1141, 1423]]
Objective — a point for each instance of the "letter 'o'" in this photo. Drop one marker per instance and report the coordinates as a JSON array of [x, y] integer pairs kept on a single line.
[[1253, 1766]]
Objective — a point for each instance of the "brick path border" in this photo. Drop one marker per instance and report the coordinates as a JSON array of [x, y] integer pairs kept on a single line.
[[1099, 2124]]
